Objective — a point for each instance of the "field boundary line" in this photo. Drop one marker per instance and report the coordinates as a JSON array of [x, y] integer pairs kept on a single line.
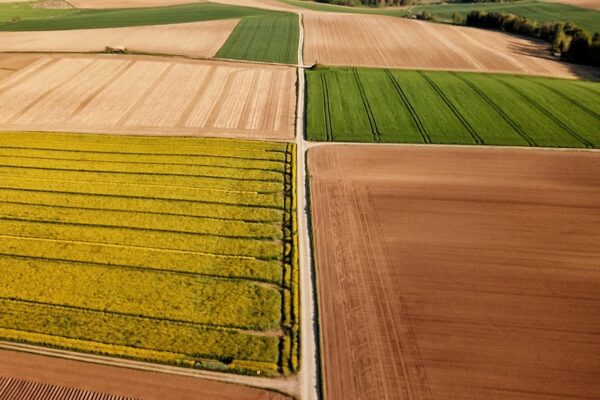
[[280, 385], [497, 108], [374, 129], [409, 107], [478, 140], [571, 100], [547, 113]]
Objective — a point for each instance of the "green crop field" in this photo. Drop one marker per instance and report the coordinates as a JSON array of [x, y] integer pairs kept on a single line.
[[171, 250], [537, 11], [251, 40], [316, 6], [365, 105]]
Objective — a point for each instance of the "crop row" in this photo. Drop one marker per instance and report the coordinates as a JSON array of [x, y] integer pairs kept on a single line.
[[451, 108], [118, 250], [151, 294], [142, 205], [134, 337]]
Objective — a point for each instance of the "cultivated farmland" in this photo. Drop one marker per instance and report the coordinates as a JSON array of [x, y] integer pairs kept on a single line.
[[534, 10], [102, 4], [177, 251], [457, 273], [151, 95], [195, 39], [27, 390], [251, 40], [120, 381], [376, 41], [366, 105]]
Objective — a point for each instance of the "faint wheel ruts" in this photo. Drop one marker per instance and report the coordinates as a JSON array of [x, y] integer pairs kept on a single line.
[[409, 107], [569, 99], [327, 108], [496, 108], [461, 118], [548, 114], [374, 129]]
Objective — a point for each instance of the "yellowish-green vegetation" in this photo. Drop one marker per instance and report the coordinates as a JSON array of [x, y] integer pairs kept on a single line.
[[172, 250]]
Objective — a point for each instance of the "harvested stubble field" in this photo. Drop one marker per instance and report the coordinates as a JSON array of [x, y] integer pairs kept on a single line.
[[366, 105], [195, 39], [177, 251], [123, 382], [379, 41], [125, 94], [457, 273], [251, 40]]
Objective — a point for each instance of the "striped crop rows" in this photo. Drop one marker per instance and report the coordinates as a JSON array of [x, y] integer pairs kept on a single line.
[[180, 251], [372, 105]]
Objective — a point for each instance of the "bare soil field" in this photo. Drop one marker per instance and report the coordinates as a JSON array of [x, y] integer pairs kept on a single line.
[[149, 95], [593, 4], [457, 273], [266, 4], [99, 4], [381, 41], [26, 390], [197, 39], [119, 382], [10, 63]]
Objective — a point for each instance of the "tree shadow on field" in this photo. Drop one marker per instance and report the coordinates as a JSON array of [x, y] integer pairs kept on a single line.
[[540, 49]]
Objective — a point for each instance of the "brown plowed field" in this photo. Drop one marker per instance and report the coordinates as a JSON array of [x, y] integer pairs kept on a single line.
[[149, 95], [379, 41], [128, 3], [457, 273], [197, 39], [17, 389], [127, 383]]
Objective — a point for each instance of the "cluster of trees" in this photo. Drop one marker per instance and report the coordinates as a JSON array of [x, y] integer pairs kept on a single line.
[[571, 41]]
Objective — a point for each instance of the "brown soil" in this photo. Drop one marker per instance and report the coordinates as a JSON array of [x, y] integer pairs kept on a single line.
[[197, 39], [120, 381], [150, 95], [593, 4], [128, 3], [458, 273], [26, 390], [380, 41]]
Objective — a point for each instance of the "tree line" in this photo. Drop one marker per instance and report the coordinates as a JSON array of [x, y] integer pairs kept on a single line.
[[569, 40]]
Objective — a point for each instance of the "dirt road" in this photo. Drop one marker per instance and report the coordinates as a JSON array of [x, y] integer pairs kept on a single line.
[[124, 382], [457, 273]]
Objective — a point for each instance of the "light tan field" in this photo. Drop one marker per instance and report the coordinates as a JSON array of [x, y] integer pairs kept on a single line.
[[117, 383], [266, 4], [457, 273], [10, 63], [593, 4], [150, 95], [128, 3], [197, 39], [380, 41]]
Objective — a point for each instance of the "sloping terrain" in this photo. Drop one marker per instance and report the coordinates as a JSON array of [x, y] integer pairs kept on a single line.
[[457, 273], [194, 39], [376, 41]]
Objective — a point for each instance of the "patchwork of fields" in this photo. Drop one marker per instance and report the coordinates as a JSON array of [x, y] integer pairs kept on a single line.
[[251, 39], [371, 105], [150, 95], [178, 251]]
